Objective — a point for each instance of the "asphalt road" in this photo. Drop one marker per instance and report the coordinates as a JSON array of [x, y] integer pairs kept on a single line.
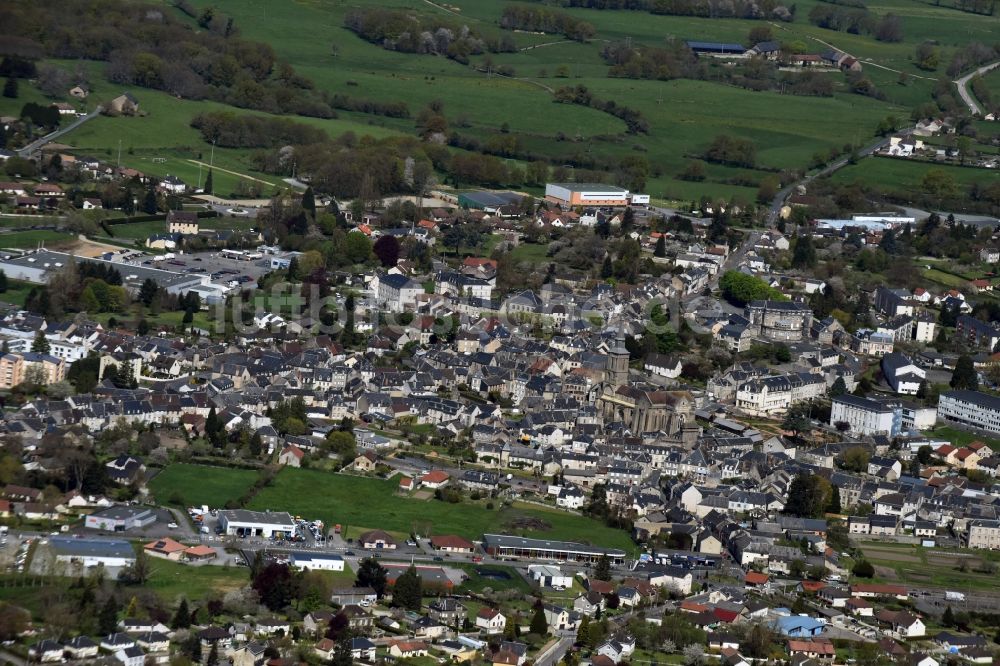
[[556, 652], [963, 90], [779, 198], [38, 143]]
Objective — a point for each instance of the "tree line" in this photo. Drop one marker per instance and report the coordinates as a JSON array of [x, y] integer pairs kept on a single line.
[[745, 9], [634, 121], [374, 107], [732, 151], [147, 47], [857, 21], [540, 19], [233, 130]]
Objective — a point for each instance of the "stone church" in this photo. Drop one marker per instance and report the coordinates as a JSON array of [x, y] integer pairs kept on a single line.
[[640, 409]]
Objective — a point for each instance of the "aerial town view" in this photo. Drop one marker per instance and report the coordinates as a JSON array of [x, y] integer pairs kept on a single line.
[[500, 332]]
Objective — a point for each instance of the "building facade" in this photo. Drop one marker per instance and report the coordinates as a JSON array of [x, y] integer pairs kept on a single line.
[[866, 416], [779, 320], [984, 534], [971, 409]]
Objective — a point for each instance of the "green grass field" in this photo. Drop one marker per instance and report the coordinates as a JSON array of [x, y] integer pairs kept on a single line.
[[684, 115], [201, 484], [172, 580], [17, 292], [963, 437], [534, 253], [32, 238], [930, 567], [992, 80], [373, 503], [900, 174]]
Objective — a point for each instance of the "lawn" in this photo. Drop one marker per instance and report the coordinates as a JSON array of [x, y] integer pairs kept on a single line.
[[201, 484], [963, 437], [334, 498], [172, 580], [33, 238], [947, 279], [530, 252], [16, 292]]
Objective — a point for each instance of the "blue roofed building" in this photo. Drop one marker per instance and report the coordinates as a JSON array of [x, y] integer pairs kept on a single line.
[[799, 626]]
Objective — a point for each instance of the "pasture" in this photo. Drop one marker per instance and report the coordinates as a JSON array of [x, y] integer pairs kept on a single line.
[[684, 115], [893, 173]]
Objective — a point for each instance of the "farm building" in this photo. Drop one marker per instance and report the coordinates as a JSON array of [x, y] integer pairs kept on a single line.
[[717, 49]]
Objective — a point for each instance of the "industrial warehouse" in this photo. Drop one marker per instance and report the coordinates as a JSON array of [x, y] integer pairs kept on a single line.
[[268, 524], [502, 546], [590, 194], [92, 552], [38, 266]]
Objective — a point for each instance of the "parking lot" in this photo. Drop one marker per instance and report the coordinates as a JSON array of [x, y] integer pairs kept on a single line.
[[223, 271], [227, 271]]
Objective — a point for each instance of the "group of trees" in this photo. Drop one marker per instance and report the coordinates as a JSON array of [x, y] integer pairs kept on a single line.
[[740, 288], [857, 21], [84, 286], [674, 60], [808, 496], [42, 115], [146, 46], [278, 586], [370, 106], [971, 55], [542, 19], [399, 30], [744, 9], [732, 151], [234, 130]]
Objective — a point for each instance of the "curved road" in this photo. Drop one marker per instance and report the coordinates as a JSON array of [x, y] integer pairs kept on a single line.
[[783, 193], [963, 90]]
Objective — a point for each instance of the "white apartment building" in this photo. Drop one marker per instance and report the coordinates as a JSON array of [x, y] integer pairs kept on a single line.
[[970, 408], [865, 416]]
